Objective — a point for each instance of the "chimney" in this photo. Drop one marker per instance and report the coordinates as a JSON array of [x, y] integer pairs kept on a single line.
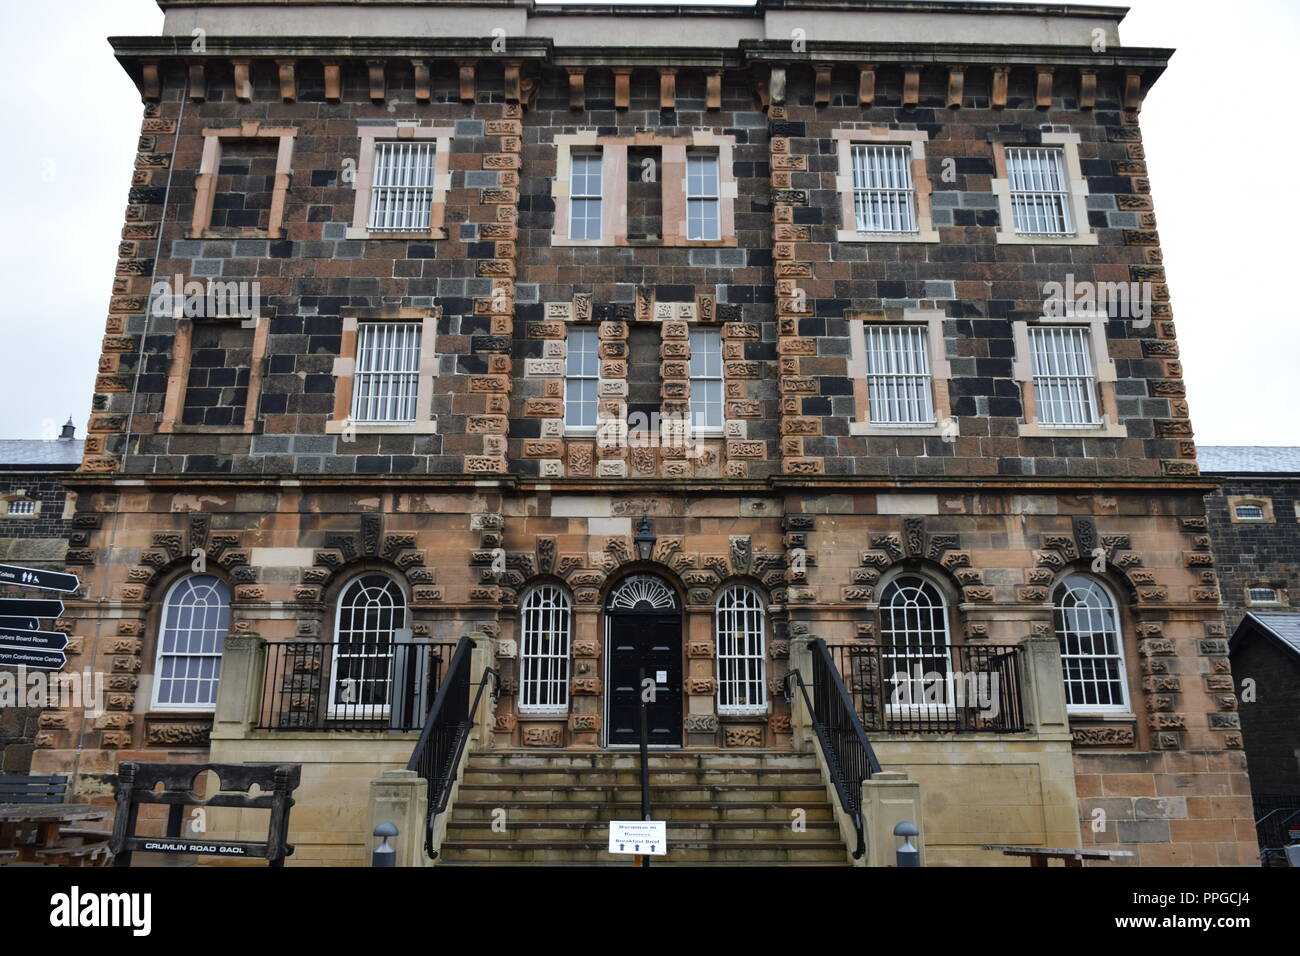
[[69, 431]]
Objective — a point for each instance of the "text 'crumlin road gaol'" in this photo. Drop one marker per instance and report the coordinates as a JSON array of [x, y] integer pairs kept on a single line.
[[696, 344]]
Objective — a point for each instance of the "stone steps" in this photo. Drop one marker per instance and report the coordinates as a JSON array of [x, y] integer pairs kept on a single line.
[[722, 807]]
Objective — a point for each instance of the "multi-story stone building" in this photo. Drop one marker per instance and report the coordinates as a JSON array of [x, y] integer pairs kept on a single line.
[[35, 517], [503, 253]]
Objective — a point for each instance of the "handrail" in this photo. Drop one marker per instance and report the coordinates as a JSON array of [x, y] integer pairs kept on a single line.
[[644, 748], [437, 754], [849, 755]]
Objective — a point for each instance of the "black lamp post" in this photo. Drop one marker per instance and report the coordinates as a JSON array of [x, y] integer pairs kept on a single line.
[[645, 539]]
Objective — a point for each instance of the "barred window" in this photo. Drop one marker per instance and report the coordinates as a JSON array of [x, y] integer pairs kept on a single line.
[[706, 379], [1092, 653], [544, 652], [401, 190], [915, 639], [1263, 596], [195, 619], [1065, 389], [1040, 193], [899, 388], [371, 608], [742, 652], [584, 196], [1243, 512], [387, 373], [581, 376], [22, 506], [703, 202], [884, 197]]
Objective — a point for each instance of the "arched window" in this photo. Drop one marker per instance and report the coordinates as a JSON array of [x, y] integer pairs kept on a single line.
[[739, 630], [544, 652], [195, 619], [914, 635], [371, 608], [1092, 647]]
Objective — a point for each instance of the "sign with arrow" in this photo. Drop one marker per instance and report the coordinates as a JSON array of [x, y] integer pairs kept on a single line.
[[44, 640], [35, 659], [641, 837], [21, 623], [35, 578], [35, 607]]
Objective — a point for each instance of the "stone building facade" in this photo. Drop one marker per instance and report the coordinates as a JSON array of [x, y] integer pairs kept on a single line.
[[35, 517], [724, 213]]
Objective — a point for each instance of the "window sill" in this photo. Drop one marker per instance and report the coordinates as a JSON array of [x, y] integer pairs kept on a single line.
[[901, 431], [1104, 430], [247, 232], [853, 235], [377, 428], [355, 233], [174, 428], [1016, 239], [1115, 716]]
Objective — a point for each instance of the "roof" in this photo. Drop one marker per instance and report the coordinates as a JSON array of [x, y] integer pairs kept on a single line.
[[1282, 626], [60, 454], [1248, 459]]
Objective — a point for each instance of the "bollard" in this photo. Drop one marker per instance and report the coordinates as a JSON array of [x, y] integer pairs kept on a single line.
[[384, 855], [907, 854]]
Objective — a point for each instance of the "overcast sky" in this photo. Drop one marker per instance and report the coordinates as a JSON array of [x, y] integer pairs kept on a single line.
[[1218, 128]]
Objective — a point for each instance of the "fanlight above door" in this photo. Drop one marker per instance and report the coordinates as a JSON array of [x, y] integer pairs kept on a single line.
[[642, 592]]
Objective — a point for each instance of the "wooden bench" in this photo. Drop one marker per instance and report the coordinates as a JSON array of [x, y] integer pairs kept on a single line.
[[47, 840], [1069, 856]]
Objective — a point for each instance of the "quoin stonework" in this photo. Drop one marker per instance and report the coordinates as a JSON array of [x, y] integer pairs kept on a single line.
[[486, 236]]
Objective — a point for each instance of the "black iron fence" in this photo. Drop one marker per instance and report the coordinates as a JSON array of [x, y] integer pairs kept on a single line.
[[1277, 825], [318, 686], [934, 689]]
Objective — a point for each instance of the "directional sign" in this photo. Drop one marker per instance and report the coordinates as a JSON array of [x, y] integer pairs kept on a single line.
[[45, 640], [643, 837], [35, 607], [34, 578], [20, 623], [35, 659]]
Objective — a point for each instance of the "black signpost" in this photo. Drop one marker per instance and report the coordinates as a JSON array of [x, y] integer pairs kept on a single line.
[[22, 643], [36, 578], [31, 607]]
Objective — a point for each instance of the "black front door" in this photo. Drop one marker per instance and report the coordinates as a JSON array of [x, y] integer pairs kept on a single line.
[[645, 646]]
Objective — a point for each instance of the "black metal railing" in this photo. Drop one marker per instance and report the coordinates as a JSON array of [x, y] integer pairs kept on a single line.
[[843, 739], [924, 689], [644, 764], [1277, 825], [437, 755], [319, 686]]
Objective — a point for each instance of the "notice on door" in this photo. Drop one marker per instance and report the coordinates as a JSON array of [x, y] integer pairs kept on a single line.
[[644, 837]]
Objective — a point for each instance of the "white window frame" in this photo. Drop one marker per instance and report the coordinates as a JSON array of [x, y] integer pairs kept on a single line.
[[587, 159], [403, 131], [1258, 595], [404, 173], [585, 333], [1064, 376], [1236, 512], [700, 375], [357, 710], [1075, 192], [395, 378], [884, 194], [1096, 626], [217, 626], [847, 142], [545, 644], [899, 376], [22, 507], [1103, 371], [939, 370], [1040, 191], [928, 639], [740, 642], [697, 198]]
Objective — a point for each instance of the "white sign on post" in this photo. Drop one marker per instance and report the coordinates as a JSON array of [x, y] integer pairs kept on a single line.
[[644, 837]]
